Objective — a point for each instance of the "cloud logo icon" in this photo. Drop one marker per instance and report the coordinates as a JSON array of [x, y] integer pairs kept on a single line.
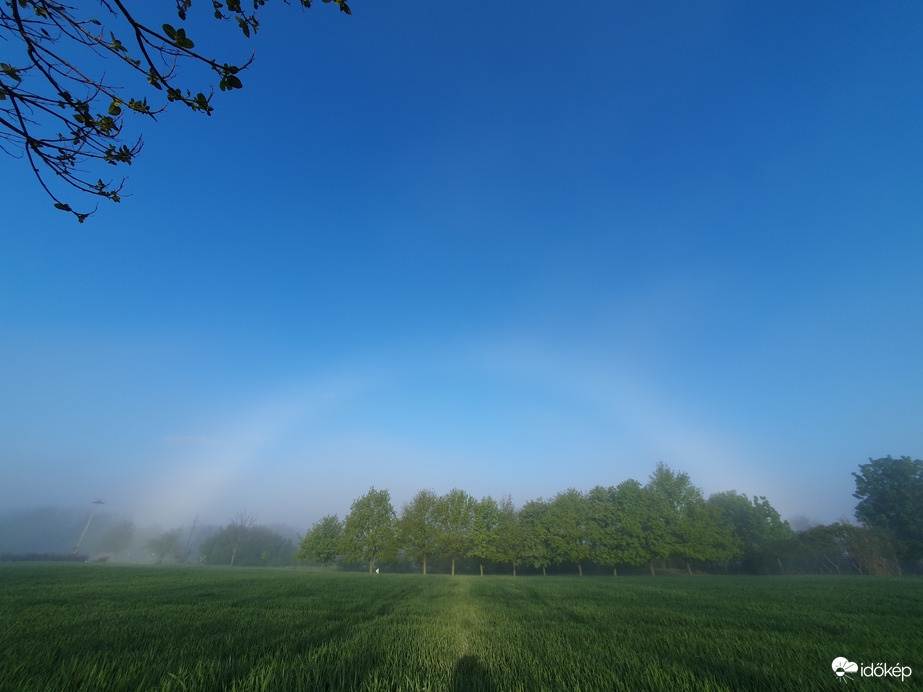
[[842, 666]]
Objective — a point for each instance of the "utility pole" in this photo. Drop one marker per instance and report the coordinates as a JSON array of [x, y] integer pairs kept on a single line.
[[97, 503]]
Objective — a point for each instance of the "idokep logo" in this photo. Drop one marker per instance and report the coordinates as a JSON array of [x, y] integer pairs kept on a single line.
[[844, 668]]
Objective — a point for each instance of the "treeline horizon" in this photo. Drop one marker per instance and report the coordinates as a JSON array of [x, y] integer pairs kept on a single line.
[[666, 523]]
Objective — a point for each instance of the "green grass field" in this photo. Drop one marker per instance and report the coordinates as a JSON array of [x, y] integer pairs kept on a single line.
[[105, 627]]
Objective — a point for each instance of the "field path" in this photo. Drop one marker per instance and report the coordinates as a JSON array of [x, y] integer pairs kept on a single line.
[[465, 617]]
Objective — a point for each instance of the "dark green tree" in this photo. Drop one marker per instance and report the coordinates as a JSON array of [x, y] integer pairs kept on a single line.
[[369, 528], [58, 108], [890, 494], [703, 535], [247, 545], [454, 516], [484, 527], [618, 525], [534, 518], [760, 532], [843, 548], [166, 545], [567, 522], [509, 542], [687, 528], [322, 542], [418, 526]]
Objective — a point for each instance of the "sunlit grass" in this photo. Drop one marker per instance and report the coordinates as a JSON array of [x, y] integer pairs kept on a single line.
[[87, 627]]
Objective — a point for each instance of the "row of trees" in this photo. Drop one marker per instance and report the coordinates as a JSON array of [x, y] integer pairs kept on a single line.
[[629, 524], [667, 520]]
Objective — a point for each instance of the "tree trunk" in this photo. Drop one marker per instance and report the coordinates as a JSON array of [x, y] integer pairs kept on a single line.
[[544, 574], [615, 572], [651, 563], [482, 569], [233, 555], [371, 564], [453, 566], [580, 569], [688, 568], [424, 563], [514, 569]]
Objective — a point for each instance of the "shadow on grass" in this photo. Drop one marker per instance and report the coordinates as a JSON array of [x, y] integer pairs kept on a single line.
[[470, 676]]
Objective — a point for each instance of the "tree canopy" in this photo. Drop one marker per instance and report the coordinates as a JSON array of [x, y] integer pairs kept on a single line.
[[890, 494], [246, 544], [418, 525], [369, 529], [75, 71], [322, 542]]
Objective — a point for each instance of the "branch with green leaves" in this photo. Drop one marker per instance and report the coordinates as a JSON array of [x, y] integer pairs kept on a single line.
[[63, 115]]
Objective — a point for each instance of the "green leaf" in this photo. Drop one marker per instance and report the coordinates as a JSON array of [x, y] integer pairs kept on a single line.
[[11, 71], [169, 31], [179, 38], [114, 109]]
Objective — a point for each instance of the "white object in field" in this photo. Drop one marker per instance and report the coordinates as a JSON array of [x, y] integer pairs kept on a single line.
[[376, 570]]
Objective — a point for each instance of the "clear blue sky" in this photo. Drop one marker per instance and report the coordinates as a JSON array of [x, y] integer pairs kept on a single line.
[[508, 247]]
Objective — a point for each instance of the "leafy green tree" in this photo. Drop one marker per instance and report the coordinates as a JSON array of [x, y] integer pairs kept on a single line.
[[166, 545], [871, 550], [483, 537], [244, 544], [535, 518], [844, 548], [418, 526], [567, 528], [369, 528], [703, 535], [454, 516], [668, 494], [509, 537], [623, 528], [322, 542], [58, 109], [236, 532], [618, 524], [760, 532], [890, 494], [688, 528]]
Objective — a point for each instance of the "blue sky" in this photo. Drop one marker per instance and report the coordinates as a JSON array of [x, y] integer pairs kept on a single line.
[[508, 248]]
